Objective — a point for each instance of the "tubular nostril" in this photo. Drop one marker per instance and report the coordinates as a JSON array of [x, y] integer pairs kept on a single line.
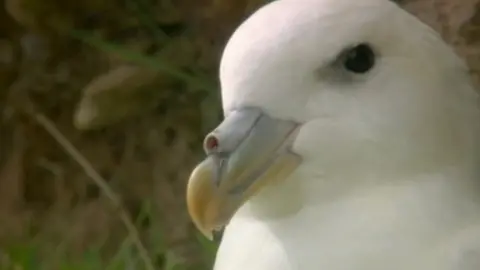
[[211, 143]]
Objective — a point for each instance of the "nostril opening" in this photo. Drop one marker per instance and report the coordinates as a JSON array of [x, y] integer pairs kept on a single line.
[[211, 143]]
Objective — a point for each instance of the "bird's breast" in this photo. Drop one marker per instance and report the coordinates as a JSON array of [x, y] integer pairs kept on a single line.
[[388, 227]]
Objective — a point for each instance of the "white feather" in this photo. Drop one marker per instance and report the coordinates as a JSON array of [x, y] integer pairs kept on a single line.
[[389, 178]]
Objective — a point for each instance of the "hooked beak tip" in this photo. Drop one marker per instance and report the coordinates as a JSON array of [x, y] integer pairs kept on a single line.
[[201, 199]]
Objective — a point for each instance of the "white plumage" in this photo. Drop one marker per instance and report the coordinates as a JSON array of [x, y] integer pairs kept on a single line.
[[389, 177], [383, 170]]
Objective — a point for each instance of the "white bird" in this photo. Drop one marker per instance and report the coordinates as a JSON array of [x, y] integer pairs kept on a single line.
[[351, 141]]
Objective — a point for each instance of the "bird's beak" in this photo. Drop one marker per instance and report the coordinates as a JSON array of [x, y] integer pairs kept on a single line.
[[245, 152]]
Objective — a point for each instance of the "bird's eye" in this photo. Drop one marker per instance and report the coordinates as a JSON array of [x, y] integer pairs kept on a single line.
[[359, 59]]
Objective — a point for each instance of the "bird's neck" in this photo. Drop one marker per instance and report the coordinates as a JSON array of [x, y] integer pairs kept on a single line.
[[288, 198], [372, 227]]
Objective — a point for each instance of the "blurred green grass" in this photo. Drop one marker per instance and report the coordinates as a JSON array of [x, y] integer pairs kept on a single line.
[[32, 255]]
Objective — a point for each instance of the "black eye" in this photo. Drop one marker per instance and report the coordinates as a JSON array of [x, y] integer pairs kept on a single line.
[[359, 59]]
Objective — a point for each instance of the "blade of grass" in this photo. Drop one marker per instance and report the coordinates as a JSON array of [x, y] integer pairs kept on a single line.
[[144, 12], [139, 58], [122, 254], [70, 149], [140, 9]]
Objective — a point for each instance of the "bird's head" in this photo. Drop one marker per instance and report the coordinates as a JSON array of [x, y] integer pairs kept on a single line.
[[340, 88]]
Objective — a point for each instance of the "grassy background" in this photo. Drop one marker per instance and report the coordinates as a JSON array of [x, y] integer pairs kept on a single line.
[[103, 108], [30, 256]]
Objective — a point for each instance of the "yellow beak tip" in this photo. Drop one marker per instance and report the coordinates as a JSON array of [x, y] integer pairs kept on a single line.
[[199, 198], [207, 234], [199, 220]]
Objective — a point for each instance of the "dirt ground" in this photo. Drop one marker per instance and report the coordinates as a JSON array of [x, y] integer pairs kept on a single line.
[[131, 84]]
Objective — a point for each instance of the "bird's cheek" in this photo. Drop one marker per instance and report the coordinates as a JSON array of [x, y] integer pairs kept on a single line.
[[327, 142]]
